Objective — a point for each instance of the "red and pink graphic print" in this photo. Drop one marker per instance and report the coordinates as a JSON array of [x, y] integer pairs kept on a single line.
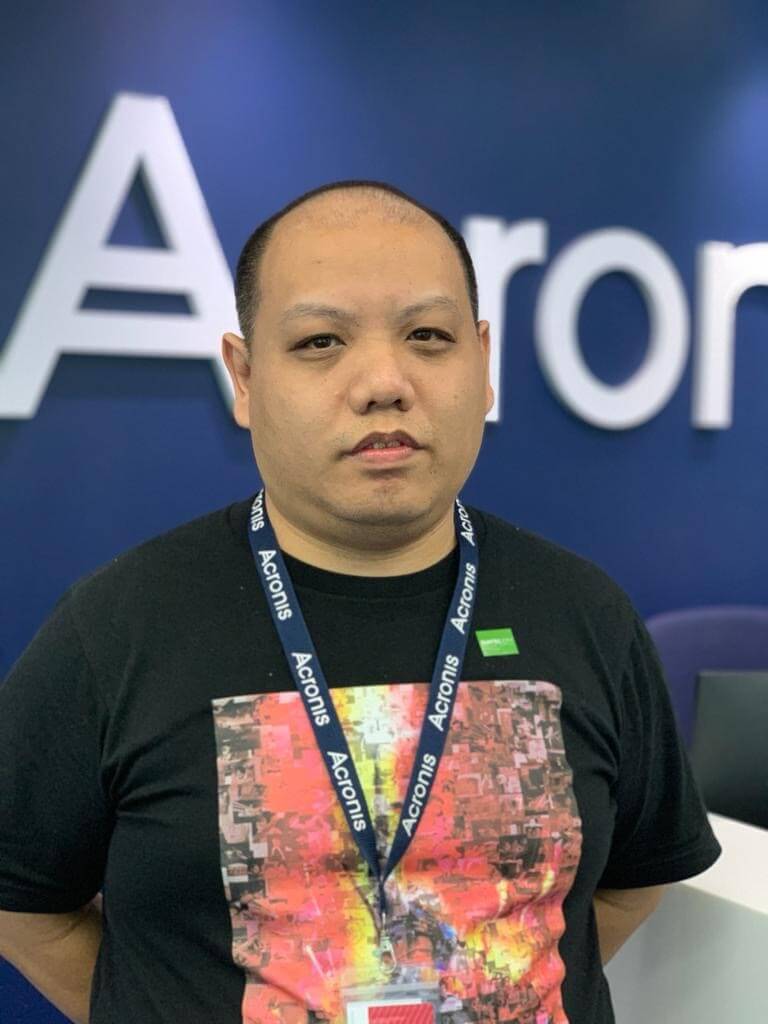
[[475, 906]]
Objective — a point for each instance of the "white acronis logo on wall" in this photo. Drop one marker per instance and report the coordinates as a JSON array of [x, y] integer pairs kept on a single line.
[[139, 133], [724, 273]]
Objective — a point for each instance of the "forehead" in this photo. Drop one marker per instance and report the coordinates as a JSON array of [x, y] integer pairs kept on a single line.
[[348, 245]]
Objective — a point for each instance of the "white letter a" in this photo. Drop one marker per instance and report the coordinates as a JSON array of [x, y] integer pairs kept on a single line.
[[139, 132]]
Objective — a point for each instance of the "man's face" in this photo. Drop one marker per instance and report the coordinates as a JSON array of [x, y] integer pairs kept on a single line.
[[316, 385]]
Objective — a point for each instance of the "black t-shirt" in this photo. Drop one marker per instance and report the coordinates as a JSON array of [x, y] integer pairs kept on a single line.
[[154, 747]]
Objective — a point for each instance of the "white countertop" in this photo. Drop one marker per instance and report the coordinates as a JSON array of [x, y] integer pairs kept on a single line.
[[740, 874]]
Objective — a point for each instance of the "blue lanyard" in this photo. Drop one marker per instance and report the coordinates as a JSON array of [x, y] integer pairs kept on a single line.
[[305, 668]]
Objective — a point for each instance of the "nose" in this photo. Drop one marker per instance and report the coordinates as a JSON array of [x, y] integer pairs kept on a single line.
[[379, 378]]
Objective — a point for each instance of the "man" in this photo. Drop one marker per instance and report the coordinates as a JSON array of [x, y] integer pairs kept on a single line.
[[270, 850]]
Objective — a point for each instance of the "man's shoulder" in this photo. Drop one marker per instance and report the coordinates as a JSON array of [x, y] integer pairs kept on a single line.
[[533, 560], [192, 553]]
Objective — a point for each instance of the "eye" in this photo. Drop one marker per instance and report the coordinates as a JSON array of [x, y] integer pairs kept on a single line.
[[317, 343], [439, 335]]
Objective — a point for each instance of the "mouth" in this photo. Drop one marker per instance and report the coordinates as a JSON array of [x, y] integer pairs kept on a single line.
[[385, 448]]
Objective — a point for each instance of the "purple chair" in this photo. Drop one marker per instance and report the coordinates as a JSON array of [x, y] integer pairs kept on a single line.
[[690, 640]]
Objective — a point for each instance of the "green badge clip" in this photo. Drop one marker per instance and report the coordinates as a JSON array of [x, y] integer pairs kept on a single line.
[[495, 642]]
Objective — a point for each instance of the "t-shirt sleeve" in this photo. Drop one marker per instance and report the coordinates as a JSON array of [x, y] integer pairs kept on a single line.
[[54, 819], [662, 833]]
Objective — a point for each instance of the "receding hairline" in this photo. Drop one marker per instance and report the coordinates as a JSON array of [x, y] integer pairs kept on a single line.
[[349, 212], [350, 202]]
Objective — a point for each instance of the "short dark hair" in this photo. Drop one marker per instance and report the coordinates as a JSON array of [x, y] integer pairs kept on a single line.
[[247, 295]]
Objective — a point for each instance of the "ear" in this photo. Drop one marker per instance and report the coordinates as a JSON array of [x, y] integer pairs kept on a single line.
[[237, 359], [484, 337]]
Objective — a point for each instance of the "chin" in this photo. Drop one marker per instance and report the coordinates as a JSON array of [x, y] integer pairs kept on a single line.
[[386, 509]]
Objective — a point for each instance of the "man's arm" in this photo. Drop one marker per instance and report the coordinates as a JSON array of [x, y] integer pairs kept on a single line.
[[619, 912], [56, 953]]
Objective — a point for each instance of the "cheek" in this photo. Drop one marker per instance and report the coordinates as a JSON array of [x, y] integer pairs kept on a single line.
[[467, 420], [284, 423], [463, 411]]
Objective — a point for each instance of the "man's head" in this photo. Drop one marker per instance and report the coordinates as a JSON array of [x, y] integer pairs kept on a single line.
[[394, 203], [311, 384]]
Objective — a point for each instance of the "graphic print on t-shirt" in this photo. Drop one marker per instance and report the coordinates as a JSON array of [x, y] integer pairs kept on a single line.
[[475, 905]]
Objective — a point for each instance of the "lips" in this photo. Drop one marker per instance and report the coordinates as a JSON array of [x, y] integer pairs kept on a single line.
[[396, 435]]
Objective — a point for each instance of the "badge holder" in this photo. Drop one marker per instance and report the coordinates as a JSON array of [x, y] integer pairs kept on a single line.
[[391, 1003]]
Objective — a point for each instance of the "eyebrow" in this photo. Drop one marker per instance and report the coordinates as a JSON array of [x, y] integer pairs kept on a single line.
[[306, 309]]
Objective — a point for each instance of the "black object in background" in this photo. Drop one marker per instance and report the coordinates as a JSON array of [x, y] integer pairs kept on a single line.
[[729, 754]]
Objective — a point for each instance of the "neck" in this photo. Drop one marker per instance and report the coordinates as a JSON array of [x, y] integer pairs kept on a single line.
[[410, 557]]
